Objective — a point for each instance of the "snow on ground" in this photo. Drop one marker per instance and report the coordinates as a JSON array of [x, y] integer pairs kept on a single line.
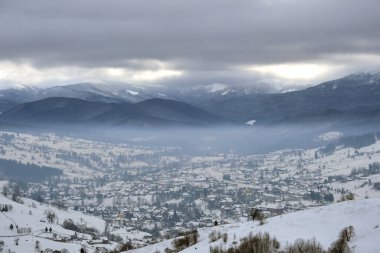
[[323, 223], [130, 234], [343, 160], [359, 187], [175, 201], [330, 136], [200, 159], [63, 152], [250, 122], [32, 215]]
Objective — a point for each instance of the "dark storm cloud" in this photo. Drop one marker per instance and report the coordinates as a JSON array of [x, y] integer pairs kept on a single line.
[[192, 35]]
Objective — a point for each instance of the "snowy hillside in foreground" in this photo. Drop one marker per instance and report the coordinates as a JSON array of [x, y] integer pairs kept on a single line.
[[32, 215], [323, 223]]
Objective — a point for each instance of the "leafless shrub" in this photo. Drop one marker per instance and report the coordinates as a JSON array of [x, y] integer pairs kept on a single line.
[[341, 244], [302, 246], [214, 236]]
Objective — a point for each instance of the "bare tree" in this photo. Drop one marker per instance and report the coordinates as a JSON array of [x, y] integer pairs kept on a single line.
[[50, 216]]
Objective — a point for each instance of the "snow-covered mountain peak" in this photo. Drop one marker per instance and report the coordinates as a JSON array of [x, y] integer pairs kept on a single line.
[[133, 93], [216, 87], [16, 86], [370, 77]]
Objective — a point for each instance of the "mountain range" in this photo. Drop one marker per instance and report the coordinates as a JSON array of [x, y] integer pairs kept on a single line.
[[73, 111], [352, 98]]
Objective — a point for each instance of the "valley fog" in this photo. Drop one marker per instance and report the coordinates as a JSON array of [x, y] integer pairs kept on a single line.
[[243, 139]]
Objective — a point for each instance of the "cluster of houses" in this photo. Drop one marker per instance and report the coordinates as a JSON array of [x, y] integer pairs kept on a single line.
[[163, 199], [160, 191]]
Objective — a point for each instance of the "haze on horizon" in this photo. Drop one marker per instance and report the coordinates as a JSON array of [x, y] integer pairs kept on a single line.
[[282, 44]]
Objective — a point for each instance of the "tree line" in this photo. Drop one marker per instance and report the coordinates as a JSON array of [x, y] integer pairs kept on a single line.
[[18, 171]]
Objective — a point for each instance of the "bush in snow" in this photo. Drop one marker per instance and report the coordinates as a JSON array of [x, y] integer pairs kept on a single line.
[[256, 214], [214, 236], [50, 215], [225, 237], [69, 224], [341, 244], [302, 246], [259, 243], [349, 196], [185, 241]]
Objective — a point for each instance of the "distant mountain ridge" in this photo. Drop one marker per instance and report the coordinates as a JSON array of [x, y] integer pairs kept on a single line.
[[72, 111], [355, 97]]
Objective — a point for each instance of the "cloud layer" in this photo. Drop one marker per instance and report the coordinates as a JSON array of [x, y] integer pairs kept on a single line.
[[188, 42]]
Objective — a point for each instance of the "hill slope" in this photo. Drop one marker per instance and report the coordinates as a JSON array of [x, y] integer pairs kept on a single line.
[[176, 111], [32, 214], [71, 111], [323, 223], [352, 97]]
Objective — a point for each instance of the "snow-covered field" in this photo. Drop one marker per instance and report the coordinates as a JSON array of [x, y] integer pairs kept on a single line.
[[343, 160], [64, 152], [32, 215], [322, 223]]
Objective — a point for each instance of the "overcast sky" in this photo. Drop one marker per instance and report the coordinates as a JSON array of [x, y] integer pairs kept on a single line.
[[184, 43]]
